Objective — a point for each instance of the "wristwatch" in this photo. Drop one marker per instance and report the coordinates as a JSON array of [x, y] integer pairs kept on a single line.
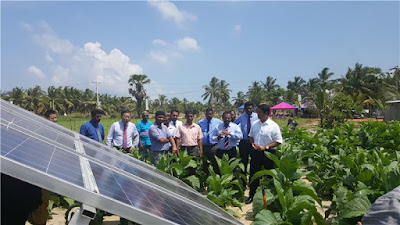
[[267, 147]]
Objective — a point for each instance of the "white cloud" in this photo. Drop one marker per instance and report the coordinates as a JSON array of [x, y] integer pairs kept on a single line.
[[79, 66], [187, 43], [169, 11], [36, 71], [159, 42], [172, 50], [158, 56], [237, 28], [26, 26]]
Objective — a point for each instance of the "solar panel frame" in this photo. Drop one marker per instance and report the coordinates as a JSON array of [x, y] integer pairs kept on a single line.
[[126, 159]]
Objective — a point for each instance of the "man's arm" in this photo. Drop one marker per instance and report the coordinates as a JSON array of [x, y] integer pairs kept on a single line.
[[140, 144], [174, 148], [236, 134], [200, 143], [110, 135], [83, 130], [102, 133], [135, 139]]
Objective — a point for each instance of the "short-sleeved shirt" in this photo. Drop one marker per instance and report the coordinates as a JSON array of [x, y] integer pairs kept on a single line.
[[189, 135], [265, 133], [88, 129], [143, 129], [243, 119], [177, 124], [206, 140], [233, 137], [156, 134]]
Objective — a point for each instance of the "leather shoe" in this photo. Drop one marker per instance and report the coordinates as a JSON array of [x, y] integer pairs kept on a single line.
[[249, 200]]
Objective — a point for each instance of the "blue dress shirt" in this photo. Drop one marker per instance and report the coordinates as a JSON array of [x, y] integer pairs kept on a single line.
[[116, 132], [143, 129], [156, 134], [206, 140], [242, 120], [88, 129], [234, 136]]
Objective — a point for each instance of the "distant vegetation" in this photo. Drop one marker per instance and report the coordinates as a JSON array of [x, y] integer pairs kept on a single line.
[[334, 100]]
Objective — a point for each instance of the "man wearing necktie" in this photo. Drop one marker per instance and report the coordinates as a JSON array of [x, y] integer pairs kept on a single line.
[[227, 135], [246, 120], [123, 134], [207, 126], [93, 129]]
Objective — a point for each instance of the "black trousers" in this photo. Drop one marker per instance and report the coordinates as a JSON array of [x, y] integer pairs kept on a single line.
[[257, 163], [210, 151], [230, 152], [244, 152]]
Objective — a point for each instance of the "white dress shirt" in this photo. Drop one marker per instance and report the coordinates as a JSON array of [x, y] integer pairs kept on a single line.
[[116, 132], [265, 133], [172, 126]]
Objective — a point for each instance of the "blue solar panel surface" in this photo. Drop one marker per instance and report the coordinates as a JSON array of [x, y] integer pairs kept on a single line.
[[47, 147]]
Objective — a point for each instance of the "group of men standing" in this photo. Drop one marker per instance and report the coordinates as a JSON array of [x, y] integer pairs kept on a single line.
[[253, 132]]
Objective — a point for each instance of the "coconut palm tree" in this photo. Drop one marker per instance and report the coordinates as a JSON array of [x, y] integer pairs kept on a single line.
[[256, 93], [297, 85], [323, 79], [223, 92], [136, 81], [16, 95], [269, 84], [239, 100], [36, 100], [211, 90]]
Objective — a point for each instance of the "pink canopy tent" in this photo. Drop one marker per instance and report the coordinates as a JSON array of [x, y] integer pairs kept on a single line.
[[283, 106]]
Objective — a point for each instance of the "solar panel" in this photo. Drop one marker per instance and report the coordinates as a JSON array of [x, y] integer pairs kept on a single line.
[[50, 156]]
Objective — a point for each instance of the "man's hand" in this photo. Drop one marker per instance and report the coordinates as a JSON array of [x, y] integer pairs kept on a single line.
[[131, 149], [140, 146], [255, 146], [201, 154]]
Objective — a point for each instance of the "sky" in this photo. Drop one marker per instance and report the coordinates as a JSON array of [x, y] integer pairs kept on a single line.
[[181, 45]]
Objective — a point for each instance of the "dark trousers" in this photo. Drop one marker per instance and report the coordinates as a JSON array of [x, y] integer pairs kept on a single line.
[[191, 150], [244, 152], [230, 152], [209, 151], [257, 163]]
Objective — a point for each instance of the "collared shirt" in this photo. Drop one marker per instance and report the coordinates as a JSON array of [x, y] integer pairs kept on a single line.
[[265, 133], [143, 129], [88, 129], [207, 133], [178, 123], [235, 135], [116, 132], [156, 134], [242, 120], [189, 135]]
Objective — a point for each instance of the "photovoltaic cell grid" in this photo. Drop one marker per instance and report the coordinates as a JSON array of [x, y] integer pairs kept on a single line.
[[104, 156], [41, 156], [56, 161]]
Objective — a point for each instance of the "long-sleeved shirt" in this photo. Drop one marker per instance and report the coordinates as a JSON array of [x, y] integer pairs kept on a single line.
[[242, 120], [156, 134], [93, 131], [115, 135], [235, 135], [211, 125], [143, 129]]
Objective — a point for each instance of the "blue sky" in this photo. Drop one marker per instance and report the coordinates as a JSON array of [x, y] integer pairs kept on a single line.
[[180, 46]]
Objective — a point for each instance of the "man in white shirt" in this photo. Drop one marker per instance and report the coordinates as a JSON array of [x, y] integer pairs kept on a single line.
[[265, 135], [175, 123], [123, 134]]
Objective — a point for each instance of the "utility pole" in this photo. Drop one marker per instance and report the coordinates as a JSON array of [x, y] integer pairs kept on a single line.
[[97, 91]]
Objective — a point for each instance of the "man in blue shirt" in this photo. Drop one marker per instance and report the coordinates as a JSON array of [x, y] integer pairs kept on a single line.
[[144, 141], [160, 139], [207, 125], [93, 129], [246, 120], [227, 135]]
